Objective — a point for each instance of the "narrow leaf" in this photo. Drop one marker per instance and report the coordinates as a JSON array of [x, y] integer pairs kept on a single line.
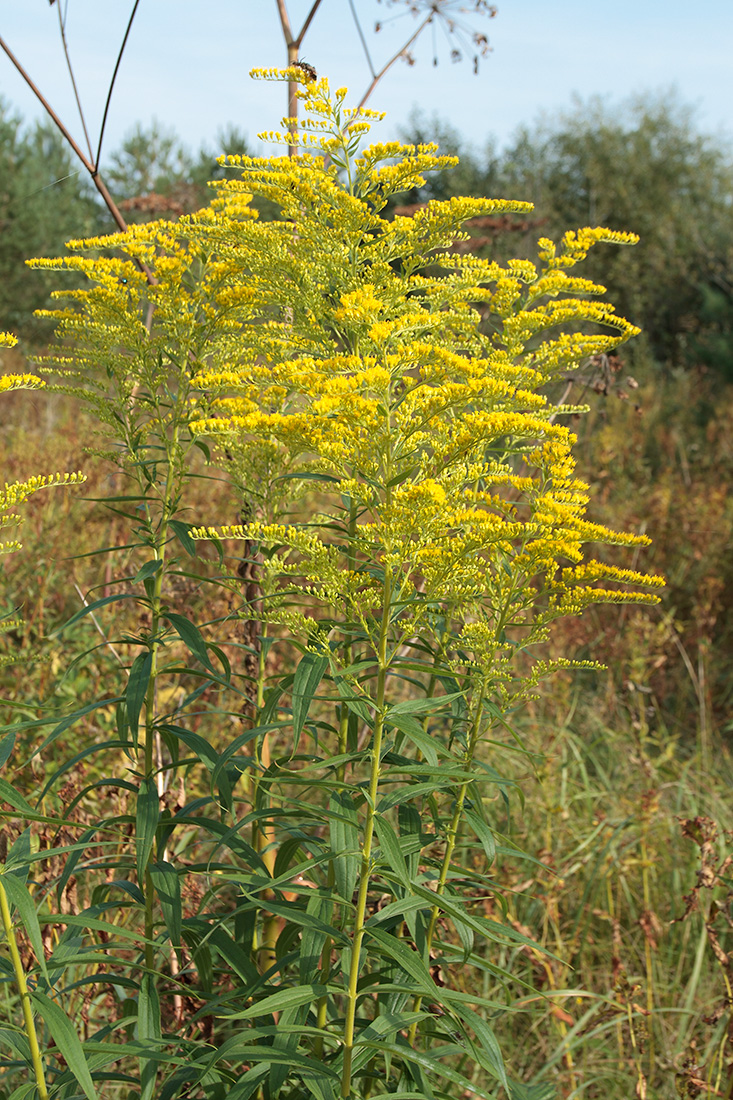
[[168, 888], [308, 676], [422, 706], [283, 1000], [19, 895], [406, 794], [489, 1045], [344, 837], [148, 569], [413, 729], [9, 794], [64, 724], [6, 747], [181, 531], [434, 1068], [149, 1032], [66, 1039], [137, 686], [390, 846], [148, 812], [484, 834], [89, 608], [191, 637], [74, 857], [408, 960], [312, 940]]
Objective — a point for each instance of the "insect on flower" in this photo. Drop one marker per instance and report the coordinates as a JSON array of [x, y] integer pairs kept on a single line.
[[306, 69]]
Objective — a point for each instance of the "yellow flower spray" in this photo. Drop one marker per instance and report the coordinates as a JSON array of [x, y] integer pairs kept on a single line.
[[412, 381], [413, 526]]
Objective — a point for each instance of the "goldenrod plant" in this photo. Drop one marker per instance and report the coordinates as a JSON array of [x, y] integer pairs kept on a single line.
[[301, 918]]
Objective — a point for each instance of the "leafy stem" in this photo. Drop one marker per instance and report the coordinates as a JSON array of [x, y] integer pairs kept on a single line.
[[450, 842], [25, 997], [366, 856], [159, 547]]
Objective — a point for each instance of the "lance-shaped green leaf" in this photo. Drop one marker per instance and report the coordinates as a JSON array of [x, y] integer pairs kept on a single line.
[[137, 686], [491, 929], [493, 1060], [283, 1000], [66, 1039], [308, 675], [168, 888], [191, 637], [148, 569], [413, 729], [181, 531], [20, 897], [6, 747], [312, 940], [408, 960], [484, 834], [434, 1068], [344, 837], [149, 1032], [422, 706], [89, 608], [148, 812], [69, 720], [9, 794], [389, 843]]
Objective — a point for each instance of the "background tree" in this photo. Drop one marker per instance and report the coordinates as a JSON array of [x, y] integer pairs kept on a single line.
[[44, 200], [647, 168], [644, 167], [154, 174]]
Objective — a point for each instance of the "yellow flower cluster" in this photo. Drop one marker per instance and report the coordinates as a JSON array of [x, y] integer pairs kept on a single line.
[[20, 382], [16, 494], [339, 348], [360, 305]]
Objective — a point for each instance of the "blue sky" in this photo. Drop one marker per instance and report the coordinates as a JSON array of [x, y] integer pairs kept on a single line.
[[187, 62]]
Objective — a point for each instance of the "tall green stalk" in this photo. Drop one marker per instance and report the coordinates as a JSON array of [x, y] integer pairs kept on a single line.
[[450, 842], [159, 555], [366, 857], [25, 997]]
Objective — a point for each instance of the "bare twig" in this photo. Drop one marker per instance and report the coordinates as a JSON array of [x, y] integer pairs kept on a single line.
[[282, 11], [112, 81], [86, 161], [91, 165], [292, 56], [400, 53], [363, 40], [292, 45], [62, 31], [307, 23]]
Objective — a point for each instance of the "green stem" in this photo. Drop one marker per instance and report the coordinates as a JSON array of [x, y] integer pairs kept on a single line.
[[366, 857], [348, 649], [450, 844], [263, 834], [155, 617], [25, 996], [322, 1003], [262, 761]]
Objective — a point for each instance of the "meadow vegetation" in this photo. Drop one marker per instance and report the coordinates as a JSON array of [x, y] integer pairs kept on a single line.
[[323, 789]]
